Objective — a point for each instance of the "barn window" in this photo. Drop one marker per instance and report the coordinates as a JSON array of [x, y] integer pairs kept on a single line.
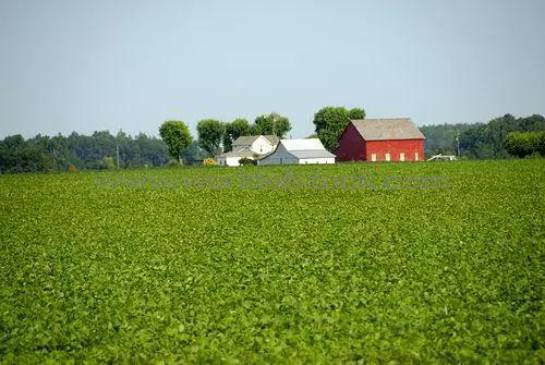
[[402, 156], [416, 156], [387, 157], [373, 157]]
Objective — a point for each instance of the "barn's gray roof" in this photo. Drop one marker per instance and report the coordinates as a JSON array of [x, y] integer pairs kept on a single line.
[[312, 154], [383, 129]]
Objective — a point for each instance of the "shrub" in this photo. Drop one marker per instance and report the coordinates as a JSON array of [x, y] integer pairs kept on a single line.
[[72, 168], [247, 161]]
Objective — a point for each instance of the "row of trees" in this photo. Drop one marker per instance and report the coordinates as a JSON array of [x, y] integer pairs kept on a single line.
[[97, 151], [480, 140], [215, 136], [499, 138]]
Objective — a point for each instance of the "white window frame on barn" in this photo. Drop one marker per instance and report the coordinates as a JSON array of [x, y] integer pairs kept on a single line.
[[387, 156], [373, 157], [416, 157], [402, 156]]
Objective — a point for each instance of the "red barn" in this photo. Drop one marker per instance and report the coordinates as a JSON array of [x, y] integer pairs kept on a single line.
[[381, 140]]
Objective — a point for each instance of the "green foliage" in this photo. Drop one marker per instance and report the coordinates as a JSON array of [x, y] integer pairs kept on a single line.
[[109, 162], [238, 127], [356, 113], [522, 144], [331, 121], [181, 266], [172, 164], [480, 141], [211, 132], [272, 123], [194, 154], [176, 136], [441, 138], [247, 161]]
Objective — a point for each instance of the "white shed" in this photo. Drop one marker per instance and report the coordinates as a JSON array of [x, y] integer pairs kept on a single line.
[[298, 151], [232, 158]]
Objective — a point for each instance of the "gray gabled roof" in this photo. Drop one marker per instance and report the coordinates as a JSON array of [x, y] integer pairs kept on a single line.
[[248, 140], [272, 138], [245, 140], [391, 128]]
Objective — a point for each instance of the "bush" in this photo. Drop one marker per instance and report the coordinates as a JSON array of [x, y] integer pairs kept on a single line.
[[72, 168], [247, 161]]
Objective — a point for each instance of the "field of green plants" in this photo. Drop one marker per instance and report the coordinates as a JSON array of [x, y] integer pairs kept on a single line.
[[353, 263]]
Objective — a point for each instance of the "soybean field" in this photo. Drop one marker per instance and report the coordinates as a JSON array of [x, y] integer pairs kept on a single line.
[[349, 263]]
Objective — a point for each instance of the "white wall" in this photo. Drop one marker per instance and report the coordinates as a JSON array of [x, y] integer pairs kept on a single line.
[[324, 160], [262, 146], [229, 161]]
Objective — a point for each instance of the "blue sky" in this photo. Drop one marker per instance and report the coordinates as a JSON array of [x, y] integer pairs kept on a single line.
[[95, 65]]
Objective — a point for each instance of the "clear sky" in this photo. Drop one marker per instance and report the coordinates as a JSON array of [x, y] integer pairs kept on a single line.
[[103, 64]]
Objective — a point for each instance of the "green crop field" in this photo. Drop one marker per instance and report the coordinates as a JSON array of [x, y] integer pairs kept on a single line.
[[354, 263]]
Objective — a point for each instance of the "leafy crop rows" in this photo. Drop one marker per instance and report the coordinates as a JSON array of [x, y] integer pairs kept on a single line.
[[420, 263]]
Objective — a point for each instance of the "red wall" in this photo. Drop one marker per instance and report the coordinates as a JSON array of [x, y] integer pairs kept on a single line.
[[395, 147], [352, 147]]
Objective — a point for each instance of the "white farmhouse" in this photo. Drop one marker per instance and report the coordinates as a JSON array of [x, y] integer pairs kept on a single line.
[[251, 147], [299, 151]]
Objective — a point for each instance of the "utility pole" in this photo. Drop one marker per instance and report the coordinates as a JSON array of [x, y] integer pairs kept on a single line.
[[117, 153], [458, 142]]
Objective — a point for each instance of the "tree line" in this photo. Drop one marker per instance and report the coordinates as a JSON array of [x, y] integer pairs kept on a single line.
[[502, 137]]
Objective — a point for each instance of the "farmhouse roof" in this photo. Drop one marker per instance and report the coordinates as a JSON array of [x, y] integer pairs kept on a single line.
[[248, 140], [245, 140], [272, 138], [391, 128]]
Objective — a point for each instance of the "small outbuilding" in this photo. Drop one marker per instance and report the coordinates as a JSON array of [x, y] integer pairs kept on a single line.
[[232, 158], [395, 139], [298, 151]]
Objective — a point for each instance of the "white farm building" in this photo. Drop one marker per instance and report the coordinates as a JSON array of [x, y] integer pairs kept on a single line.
[[251, 147], [298, 151]]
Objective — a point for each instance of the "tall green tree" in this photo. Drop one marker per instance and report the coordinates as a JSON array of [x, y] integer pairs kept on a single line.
[[176, 136], [238, 127], [211, 132], [356, 114], [272, 123], [263, 125], [330, 122]]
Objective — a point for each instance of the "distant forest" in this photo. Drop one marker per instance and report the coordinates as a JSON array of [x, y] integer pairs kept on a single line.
[[479, 140], [79, 152], [101, 149]]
